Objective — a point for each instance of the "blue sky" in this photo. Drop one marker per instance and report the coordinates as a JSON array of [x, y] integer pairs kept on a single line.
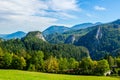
[[30, 15]]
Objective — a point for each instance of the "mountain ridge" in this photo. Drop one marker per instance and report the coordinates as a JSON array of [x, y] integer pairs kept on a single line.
[[62, 29], [18, 34], [85, 25], [55, 29]]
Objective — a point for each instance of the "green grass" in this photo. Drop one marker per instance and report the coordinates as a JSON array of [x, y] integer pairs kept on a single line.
[[25, 75]]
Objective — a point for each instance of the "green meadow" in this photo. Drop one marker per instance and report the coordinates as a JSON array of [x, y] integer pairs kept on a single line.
[[26, 75]]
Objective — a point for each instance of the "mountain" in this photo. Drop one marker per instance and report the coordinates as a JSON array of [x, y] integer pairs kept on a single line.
[[34, 41], [63, 37], [84, 25], [63, 29], [59, 34], [116, 22], [102, 40], [2, 35], [55, 29], [18, 34], [35, 34]]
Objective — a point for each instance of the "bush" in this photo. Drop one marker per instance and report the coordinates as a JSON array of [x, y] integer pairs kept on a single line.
[[31, 67], [119, 72]]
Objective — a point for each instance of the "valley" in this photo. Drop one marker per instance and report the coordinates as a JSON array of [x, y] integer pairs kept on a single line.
[[90, 51]]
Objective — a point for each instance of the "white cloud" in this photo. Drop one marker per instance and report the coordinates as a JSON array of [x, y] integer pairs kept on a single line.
[[63, 5], [26, 23], [34, 14], [99, 8], [89, 15], [33, 7]]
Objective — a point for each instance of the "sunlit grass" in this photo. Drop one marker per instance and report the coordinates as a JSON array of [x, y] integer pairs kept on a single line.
[[26, 75]]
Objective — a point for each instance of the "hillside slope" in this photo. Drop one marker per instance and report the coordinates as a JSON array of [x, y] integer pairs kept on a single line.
[[103, 40]]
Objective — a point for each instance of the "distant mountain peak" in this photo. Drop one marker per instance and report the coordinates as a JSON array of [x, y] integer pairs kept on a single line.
[[36, 34], [56, 26], [98, 23], [55, 29], [116, 21], [85, 25], [18, 34]]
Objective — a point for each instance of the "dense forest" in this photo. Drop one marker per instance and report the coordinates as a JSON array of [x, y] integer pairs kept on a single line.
[[33, 53]]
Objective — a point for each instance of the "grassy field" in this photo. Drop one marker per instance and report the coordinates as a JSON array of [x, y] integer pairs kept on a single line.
[[25, 75]]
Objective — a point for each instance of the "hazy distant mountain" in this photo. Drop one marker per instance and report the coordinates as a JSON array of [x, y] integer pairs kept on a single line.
[[18, 34], [2, 35], [63, 29], [55, 29], [84, 25]]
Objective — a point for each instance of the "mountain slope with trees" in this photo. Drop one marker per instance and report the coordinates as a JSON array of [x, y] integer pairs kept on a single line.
[[59, 34], [34, 53], [103, 40]]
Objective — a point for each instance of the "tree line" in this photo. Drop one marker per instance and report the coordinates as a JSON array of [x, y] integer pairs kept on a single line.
[[36, 62]]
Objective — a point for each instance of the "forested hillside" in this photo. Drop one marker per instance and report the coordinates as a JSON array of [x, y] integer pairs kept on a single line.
[[102, 41], [31, 51]]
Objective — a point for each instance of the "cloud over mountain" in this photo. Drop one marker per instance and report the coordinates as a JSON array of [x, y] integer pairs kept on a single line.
[[34, 14]]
